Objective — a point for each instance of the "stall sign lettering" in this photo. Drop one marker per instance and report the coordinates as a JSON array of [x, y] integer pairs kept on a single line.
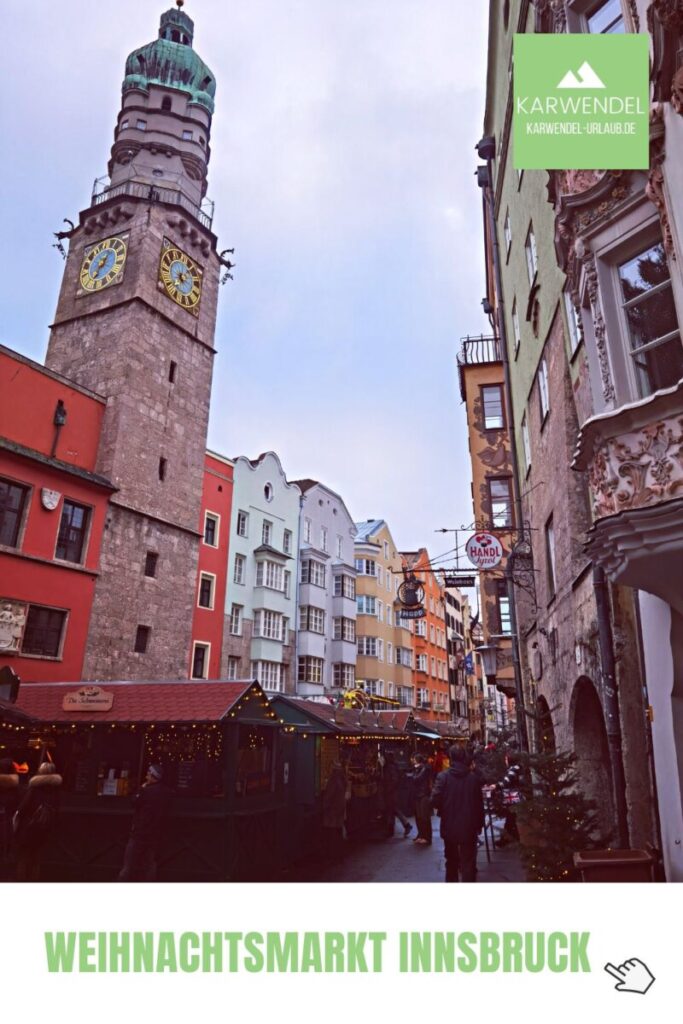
[[88, 698]]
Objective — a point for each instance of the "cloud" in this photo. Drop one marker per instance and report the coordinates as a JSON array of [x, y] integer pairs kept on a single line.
[[342, 170]]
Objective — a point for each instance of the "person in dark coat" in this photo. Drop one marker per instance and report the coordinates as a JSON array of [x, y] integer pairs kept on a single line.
[[458, 799], [35, 821], [421, 776], [334, 811], [150, 806], [390, 780], [9, 802]]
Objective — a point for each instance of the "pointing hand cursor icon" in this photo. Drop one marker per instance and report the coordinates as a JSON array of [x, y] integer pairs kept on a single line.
[[631, 976]]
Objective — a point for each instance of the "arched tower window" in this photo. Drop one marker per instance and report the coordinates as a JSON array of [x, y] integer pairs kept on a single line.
[[175, 35], [166, 103]]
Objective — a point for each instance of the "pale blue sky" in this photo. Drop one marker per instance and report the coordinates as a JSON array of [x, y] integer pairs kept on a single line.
[[343, 172]]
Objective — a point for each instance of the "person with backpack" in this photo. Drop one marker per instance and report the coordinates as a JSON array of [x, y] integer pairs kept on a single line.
[[458, 799], [35, 820]]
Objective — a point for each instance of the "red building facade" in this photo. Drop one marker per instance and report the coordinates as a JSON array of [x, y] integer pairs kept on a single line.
[[53, 508], [209, 611]]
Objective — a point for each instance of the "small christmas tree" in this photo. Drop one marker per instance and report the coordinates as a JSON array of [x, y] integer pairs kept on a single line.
[[555, 819]]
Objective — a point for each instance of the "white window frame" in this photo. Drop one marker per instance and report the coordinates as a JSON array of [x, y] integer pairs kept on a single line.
[[287, 542], [239, 571], [233, 667], [526, 442], [551, 556], [236, 619], [268, 625], [574, 322], [308, 526], [207, 576], [217, 520], [313, 573], [515, 325], [340, 546], [324, 533], [312, 619], [207, 658], [267, 532], [507, 232], [531, 254], [242, 520], [543, 391], [269, 674]]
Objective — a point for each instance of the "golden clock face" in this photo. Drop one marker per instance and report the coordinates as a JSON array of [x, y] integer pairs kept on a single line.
[[103, 264], [181, 277]]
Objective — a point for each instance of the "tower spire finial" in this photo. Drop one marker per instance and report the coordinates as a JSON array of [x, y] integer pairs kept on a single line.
[[180, 4]]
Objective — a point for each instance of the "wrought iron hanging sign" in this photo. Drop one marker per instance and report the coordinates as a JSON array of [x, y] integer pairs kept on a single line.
[[484, 550], [411, 595]]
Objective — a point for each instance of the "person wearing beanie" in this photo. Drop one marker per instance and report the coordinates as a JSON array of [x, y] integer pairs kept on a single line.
[[9, 801], [35, 821], [150, 806]]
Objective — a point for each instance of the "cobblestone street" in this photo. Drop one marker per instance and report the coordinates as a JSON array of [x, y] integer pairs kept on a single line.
[[399, 859]]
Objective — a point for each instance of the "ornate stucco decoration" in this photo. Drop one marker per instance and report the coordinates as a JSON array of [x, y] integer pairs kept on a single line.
[[551, 16], [635, 17], [634, 456], [638, 469], [654, 189], [587, 260], [665, 22]]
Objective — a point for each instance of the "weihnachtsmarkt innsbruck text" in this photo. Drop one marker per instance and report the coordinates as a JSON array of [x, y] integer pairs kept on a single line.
[[341, 450]]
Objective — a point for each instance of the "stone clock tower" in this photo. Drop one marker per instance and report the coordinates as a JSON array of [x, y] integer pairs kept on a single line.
[[135, 322]]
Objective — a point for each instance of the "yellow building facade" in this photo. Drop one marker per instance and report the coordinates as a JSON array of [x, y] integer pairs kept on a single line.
[[384, 666]]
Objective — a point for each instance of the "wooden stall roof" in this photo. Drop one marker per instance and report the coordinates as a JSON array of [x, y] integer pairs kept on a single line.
[[9, 712], [342, 721], [451, 730], [177, 701]]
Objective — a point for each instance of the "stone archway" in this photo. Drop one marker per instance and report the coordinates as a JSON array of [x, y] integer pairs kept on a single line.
[[545, 733], [592, 752]]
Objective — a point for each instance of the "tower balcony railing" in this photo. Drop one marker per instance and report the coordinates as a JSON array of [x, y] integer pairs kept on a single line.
[[476, 351], [102, 192]]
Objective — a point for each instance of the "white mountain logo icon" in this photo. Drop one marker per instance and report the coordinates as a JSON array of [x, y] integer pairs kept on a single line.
[[586, 79]]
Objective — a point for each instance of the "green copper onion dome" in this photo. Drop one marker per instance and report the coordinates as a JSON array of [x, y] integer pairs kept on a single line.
[[170, 60]]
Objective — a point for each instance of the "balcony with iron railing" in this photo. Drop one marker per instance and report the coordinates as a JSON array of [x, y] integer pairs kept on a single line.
[[103, 192], [477, 351]]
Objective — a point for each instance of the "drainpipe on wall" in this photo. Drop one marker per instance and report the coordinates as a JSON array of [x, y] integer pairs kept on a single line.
[[486, 148], [610, 704], [295, 659]]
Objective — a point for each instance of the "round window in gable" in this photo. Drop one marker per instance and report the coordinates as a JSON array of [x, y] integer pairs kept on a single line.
[[268, 492]]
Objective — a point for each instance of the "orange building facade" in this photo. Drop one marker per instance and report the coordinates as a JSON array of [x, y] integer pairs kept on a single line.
[[430, 654]]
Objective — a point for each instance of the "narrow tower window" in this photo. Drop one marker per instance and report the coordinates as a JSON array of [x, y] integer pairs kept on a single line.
[[142, 639], [162, 469], [172, 371]]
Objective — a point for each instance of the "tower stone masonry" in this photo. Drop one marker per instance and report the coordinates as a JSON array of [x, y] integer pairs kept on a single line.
[[135, 323]]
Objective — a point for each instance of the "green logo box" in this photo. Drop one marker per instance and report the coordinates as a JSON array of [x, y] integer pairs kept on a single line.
[[581, 102]]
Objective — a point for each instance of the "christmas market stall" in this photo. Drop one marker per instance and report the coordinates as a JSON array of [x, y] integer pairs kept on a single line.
[[217, 743], [355, 737]]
